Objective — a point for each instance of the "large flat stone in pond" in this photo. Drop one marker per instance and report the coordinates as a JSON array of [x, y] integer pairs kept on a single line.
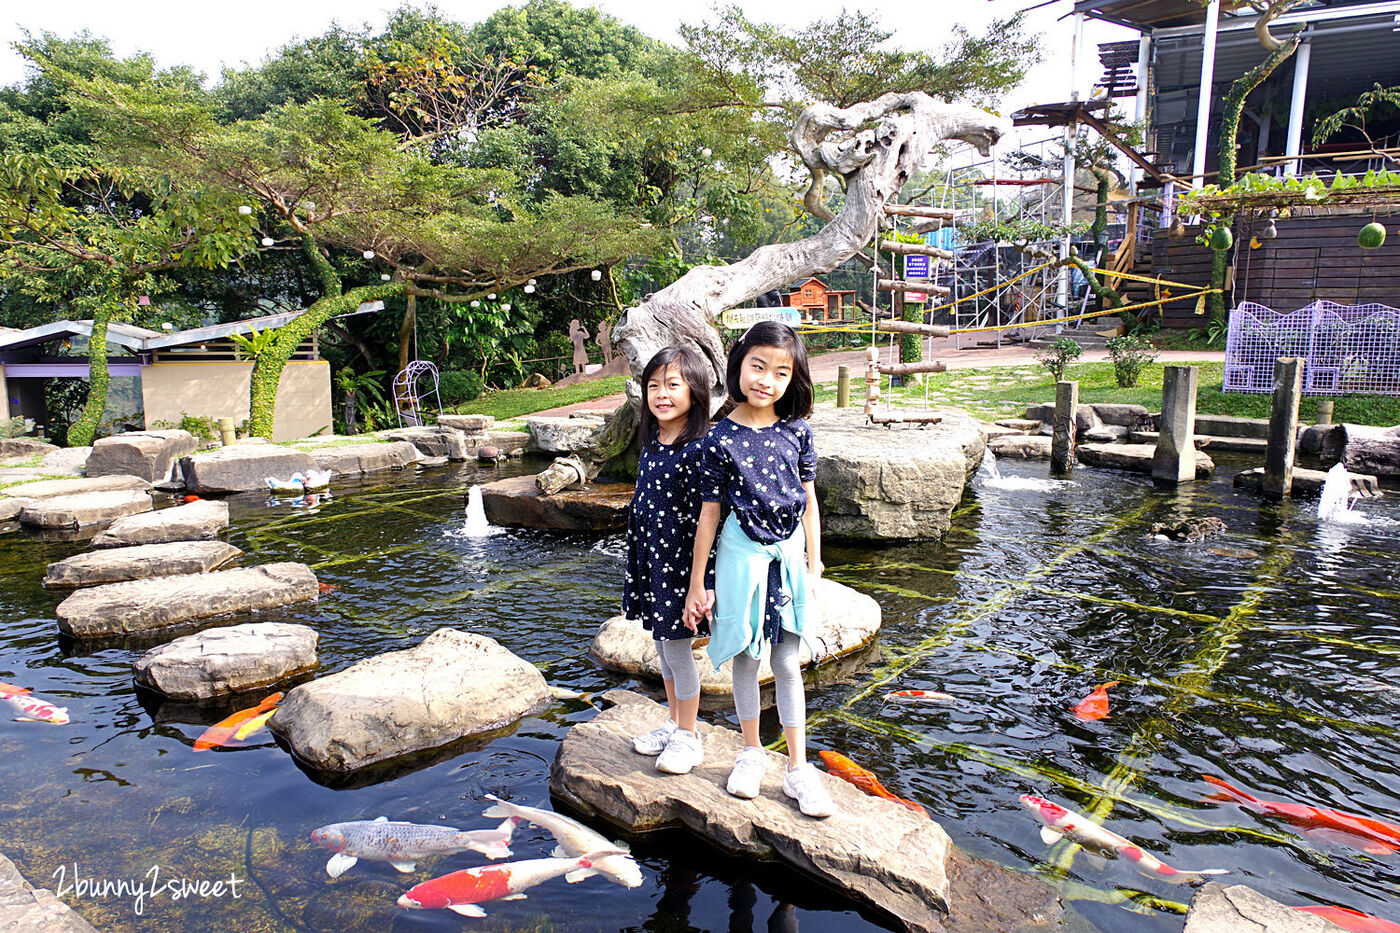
[[26, 909], [85, 508], [241, 468], [452, 685], [517, 502], [147, 454], [1021, 446], [116, 565], [432, 441], [1239, 909], [847, 622], [52, 488], [468, 424], [194, 521], [160, 602], [227, 660], [1136, 458], [356, 459], [873, 850], [892, 483], [1309, 483]]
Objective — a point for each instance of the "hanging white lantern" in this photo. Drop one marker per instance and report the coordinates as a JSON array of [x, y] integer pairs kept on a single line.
[[491, 297], [505, 307], [268, 241], [244, 209], [595, 275], [384, 276], [531, 282], [369, 254], [706, 153], [529, 289], [476, 304]]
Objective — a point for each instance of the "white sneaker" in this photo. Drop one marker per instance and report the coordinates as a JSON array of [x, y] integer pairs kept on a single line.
[[747, 775], [654, 742], [804, 785], [683, 752]]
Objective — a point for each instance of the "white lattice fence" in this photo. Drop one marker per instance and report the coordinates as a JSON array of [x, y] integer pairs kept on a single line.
[[1348, 349]]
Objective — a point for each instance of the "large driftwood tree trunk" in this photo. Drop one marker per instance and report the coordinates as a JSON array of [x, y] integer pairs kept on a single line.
[[873, 148]]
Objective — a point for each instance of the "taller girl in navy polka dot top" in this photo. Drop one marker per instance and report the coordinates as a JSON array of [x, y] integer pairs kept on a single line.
[[661, 540]]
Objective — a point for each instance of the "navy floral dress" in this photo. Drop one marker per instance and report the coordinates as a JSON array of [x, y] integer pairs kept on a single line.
[[661, 540], [757, 474]]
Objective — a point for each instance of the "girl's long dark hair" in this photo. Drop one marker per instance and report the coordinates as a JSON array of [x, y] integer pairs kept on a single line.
[[696, 375], [796, 402]]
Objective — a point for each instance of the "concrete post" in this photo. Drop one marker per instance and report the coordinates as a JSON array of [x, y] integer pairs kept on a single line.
[[1175, 460], [843, 387], [1283, 427], [1324, 410], [227, 435], [1066, 415]]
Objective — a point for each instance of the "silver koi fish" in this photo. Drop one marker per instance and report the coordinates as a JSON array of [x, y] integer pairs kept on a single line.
[[402, 844], [574, 840], [1059, 822]]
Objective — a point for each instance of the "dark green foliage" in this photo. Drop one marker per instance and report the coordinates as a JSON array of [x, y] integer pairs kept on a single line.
[[458, 386]]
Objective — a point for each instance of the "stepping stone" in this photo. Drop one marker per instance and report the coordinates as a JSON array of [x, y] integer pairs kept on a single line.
[[468, 424], [50, 488], [241, 468], [1239, 909], [10, 508], [228, 660], [507, 442], [1022, 425], [517, 502], [555, 435], [24, 908], [432, 441], [847, 623], [452, 685], [85, 508], [22, 448], [1136, 458], [1021, 447], [194, 521], [873, 850], [147, 454], [66, 460], [160, 602], [117, 565], [357, 459], [1309, 483]]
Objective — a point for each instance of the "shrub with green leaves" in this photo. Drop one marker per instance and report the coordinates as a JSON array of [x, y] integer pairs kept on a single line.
[[458, 386], [1059, 355], [1129, 354]]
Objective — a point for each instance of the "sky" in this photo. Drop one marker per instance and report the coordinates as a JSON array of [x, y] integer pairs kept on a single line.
[[210, 36]]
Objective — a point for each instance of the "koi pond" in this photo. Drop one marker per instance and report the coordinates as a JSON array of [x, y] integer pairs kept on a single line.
[[1267, 657]]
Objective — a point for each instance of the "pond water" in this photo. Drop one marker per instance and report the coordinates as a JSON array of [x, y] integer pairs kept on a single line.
[[1267, 657]]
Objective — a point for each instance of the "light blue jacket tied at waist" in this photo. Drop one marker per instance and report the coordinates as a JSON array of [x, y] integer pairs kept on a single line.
[[741, 591]]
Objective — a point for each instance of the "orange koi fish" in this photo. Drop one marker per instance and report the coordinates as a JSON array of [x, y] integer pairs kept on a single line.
[[1375, 836], [847, 770], [1354, 920], [225, 730], [931, 696], [10, 690], [327, 588], [1095, 705], [462, 891]]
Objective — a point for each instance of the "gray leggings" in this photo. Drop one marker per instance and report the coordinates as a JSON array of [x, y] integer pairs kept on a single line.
[[678, 664], [787, 683]]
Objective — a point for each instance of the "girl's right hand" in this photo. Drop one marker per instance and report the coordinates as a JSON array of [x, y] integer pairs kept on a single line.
[[697, 606]]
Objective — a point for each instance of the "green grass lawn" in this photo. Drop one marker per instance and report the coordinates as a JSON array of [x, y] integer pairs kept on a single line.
[[1005, 391], [512, 403]]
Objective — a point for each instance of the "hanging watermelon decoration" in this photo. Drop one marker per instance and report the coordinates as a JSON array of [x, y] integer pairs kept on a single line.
[[1222, 239], [1371, 236]]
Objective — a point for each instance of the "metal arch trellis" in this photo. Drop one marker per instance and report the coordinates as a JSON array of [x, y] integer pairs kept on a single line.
[[415, 384], [1347, 348]]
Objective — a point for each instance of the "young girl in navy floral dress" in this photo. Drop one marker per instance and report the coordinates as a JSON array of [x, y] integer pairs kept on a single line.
[[660, 543], [761, 461]]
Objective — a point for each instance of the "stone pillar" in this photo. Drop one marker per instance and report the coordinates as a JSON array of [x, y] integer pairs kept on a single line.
[[843, 387], [1175, 460], [1324, 410], [1283, 427], [4, 394], [1066, 415], [226, 431]]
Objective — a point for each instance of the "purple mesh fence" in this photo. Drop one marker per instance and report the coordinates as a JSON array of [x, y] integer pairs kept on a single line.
[[1348, 349]]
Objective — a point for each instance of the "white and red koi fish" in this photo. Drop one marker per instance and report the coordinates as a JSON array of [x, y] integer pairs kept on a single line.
[[33, 709], [461, 891], [1062, 823], [11, 690], [402, 844], [1362, 832], [922, 696], [574, 839]]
